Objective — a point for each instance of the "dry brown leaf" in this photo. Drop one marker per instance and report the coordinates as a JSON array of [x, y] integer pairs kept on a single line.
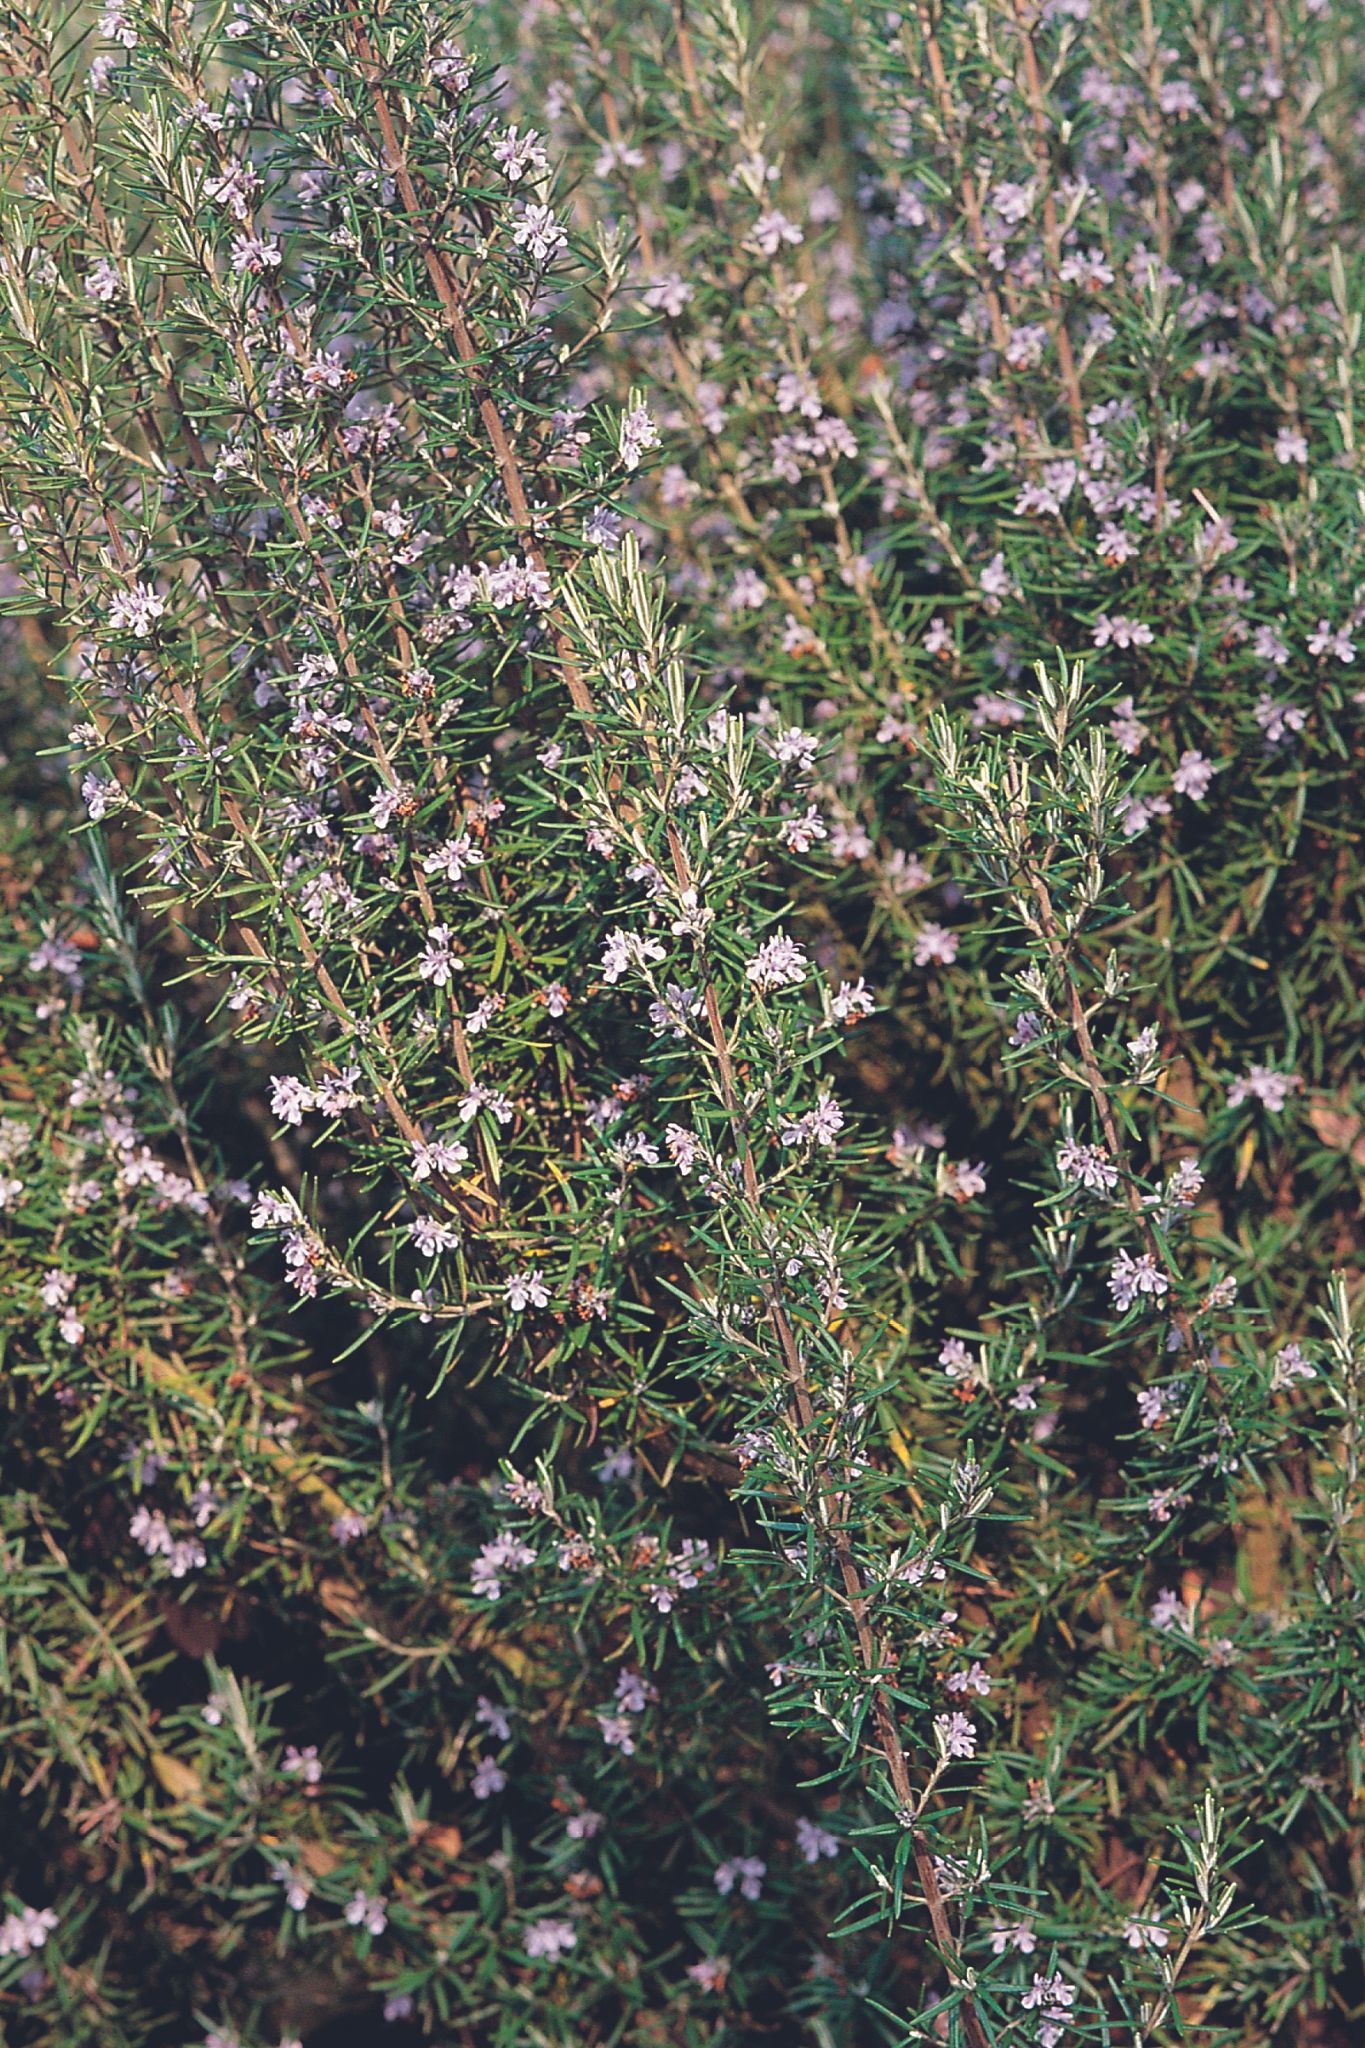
[[340, 1598], [1337, 1124]]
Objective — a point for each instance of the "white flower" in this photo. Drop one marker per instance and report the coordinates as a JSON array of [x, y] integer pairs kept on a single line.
[[1131, 1278], [668, 295], [974, 1679], [538, 231], [1121, 632], [1020, 1936], [490, 1714], [814, 1841], [368, 1911], [1185, 1183], [683, 1147], [489, 1777], [617, 1732], [290, 1099], [1088, 1166], [818, 1126], [638, 433], [1048, 1991], [1268, 1087], [1193, 776], [102, 281], [439, 963], [934, 943], [527, 1290], [748, 1872], [773, 229], [551, 1938], [491, 1099], [854, 999], [602, 528], [778, 963], [504, 1554], [443, 1155], [26, 1930], [432, 1237], [1290, 1367], [137, 610], [297, 1889], [517, 581], [1333, 640], [625, 950], [956, 1735], [451, 68], [1168, 1610], [454, 859], [252, 254], [99, 794], [518, 155]]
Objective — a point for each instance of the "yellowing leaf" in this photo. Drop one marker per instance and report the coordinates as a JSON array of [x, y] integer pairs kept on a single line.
[[900, 1447], [1245, 1152], [180, 1781]]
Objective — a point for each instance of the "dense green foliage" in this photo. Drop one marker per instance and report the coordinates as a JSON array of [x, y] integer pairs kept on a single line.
[[680, 1177]]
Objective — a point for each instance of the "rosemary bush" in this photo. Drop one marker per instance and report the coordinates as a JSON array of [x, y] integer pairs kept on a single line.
[[680, 1183]]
